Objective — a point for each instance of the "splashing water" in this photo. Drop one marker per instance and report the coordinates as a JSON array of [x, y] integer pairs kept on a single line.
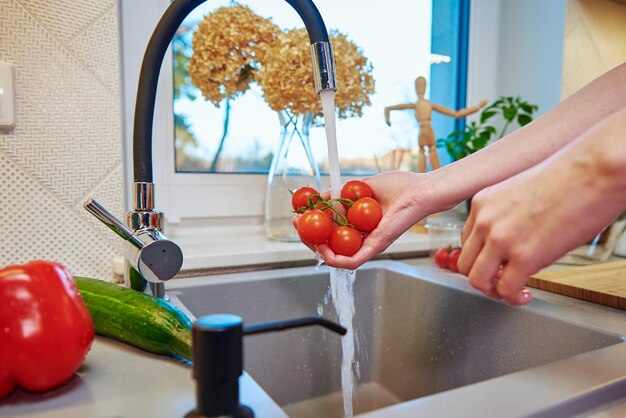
[[341, 281], [342, 289]]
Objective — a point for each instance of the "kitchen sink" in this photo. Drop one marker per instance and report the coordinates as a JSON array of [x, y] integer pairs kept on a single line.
[[425, 340]]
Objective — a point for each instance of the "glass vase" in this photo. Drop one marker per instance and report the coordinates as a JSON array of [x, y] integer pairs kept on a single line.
[[293, 166]]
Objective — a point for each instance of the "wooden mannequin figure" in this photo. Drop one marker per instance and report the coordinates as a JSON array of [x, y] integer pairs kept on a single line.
[[423, 110]]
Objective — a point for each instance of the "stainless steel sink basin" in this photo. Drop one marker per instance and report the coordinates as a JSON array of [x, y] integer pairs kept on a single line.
[[425, 341]]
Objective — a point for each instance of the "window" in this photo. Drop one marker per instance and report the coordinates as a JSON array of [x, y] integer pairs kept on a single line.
[[394, 35]]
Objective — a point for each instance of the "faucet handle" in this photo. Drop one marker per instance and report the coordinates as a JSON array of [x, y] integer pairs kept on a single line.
[[96, 209], [156, 258]]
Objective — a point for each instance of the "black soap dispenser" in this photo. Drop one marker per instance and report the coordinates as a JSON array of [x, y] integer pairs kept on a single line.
[[218, 360]]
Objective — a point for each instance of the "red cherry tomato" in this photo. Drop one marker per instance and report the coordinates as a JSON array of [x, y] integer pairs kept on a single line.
[[300, 198], [441, 257], [314, 227], [345, 240], [365, 214], [453, 260], [356, 189]]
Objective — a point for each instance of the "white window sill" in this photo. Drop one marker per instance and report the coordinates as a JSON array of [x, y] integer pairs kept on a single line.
[[240, 246], [251, 248]]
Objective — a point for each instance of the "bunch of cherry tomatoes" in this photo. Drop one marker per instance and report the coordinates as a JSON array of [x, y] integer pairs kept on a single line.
[[324, 221], [447, 257]]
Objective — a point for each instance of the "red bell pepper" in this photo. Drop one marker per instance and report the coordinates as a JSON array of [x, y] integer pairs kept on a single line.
[[45, 328]]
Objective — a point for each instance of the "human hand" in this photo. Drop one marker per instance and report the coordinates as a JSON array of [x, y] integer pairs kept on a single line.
[[404, 202], [482, 103], [517, 227]]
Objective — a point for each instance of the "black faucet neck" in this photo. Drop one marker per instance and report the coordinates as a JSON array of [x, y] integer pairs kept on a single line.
[[151, 66]]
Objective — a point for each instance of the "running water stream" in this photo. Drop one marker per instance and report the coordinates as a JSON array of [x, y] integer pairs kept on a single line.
[[341, 281]]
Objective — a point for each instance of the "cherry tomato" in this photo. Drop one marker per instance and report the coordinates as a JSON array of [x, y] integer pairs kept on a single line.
[[365, 214], [300, 198], [314, 227], [453, 260], [345, 240], [441, 257], [356, 189]]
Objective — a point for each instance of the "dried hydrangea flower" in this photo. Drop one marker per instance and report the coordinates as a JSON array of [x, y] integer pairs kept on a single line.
[[233, 47], [287, 79], [228, 47]]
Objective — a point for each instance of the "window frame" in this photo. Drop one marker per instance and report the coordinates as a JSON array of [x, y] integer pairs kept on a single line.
[[178, 195], [189, 195]]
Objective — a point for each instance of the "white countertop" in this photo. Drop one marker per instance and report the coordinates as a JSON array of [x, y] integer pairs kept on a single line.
[[120, 381]]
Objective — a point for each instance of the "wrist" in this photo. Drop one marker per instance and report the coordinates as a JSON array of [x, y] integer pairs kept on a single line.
[[608, 156], [440, 193]]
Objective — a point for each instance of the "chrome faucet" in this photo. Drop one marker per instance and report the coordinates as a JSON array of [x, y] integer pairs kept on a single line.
[[150, 257]]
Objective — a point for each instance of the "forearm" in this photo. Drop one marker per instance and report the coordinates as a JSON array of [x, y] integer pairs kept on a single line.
[[599, 159], [531, 144], [584, 184]]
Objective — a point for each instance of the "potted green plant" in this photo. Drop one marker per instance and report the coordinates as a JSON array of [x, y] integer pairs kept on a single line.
[[494, 123], [512, 111]]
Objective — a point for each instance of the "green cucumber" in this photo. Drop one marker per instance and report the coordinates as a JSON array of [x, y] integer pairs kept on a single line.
[[135, 318]]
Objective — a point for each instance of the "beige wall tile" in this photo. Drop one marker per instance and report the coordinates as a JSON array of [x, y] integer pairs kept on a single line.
[[594, 41], [67, 142]]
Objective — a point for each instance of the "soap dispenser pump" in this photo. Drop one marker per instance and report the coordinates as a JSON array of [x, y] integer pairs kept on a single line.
[[217, 352]]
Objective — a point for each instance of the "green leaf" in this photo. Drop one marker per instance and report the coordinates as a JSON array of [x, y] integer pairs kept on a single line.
[[524, 119], [486, 115], [528, 108], [509, 113], [491, 130], [480, 142], [453, 134]]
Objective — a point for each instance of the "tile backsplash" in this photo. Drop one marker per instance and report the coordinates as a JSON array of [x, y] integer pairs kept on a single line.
[[67, 144]]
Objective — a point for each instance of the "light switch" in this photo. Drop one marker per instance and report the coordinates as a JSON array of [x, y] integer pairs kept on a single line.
[[7, 96]]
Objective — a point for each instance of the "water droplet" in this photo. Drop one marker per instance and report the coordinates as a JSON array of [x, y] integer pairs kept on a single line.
[[357, 368], [320, 260]]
